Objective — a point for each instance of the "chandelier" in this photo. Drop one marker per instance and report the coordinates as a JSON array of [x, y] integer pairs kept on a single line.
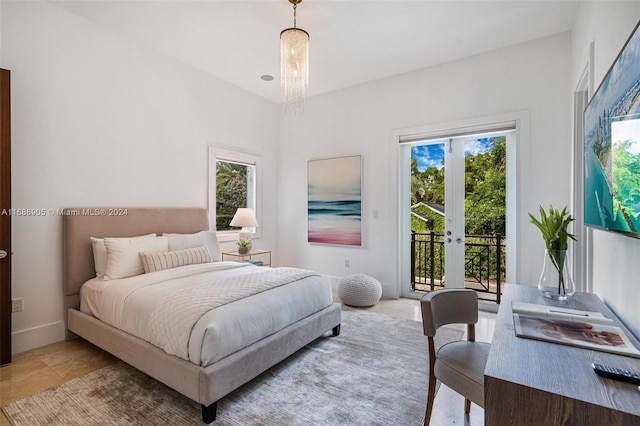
[[294, 64]]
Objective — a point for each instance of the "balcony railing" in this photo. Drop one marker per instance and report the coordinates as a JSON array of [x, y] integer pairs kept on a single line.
[[483, 264]]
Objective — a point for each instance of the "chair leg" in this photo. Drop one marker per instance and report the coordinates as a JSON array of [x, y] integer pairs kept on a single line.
[[467, 406], [430, 397]]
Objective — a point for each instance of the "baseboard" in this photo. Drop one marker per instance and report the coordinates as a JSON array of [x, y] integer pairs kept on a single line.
[[487, 306], [36, 337], [334, 281]]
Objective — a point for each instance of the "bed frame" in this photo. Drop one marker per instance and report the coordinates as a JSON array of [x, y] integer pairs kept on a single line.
[[204, 385]]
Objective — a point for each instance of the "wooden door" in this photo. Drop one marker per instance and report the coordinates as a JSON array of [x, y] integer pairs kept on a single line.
[[5, 219]]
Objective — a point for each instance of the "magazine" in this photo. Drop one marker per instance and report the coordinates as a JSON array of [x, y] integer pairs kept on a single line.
[[553, 312], [585, 329]]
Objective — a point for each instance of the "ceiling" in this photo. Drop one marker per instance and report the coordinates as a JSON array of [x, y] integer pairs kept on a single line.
[[352, 41]]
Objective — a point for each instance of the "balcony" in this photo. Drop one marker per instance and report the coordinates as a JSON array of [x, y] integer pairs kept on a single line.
[[484, 264]]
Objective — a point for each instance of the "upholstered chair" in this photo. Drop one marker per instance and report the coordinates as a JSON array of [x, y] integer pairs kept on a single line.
[[460, 364]]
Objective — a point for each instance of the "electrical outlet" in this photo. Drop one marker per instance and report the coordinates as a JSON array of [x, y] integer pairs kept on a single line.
[[17, 305], [346, 263]]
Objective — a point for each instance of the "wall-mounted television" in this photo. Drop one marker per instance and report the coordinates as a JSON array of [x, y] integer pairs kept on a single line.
[[612, 146]]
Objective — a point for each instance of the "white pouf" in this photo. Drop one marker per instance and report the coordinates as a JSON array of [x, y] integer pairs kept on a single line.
[[359, 290]]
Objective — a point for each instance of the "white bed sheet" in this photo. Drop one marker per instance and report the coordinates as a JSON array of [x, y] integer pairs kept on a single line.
[[127, 303]]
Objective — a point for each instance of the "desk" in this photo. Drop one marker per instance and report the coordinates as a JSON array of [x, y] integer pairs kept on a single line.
[[530, 382]]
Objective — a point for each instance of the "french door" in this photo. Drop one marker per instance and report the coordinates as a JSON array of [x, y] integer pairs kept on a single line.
[[458, 213], [442, 161]]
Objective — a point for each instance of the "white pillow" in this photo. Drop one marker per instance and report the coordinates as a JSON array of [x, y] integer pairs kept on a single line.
[[209, 239], [100, 253], [123, 259], [161, 260]]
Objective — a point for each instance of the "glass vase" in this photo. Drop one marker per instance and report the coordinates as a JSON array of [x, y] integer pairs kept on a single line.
[[556, 281]]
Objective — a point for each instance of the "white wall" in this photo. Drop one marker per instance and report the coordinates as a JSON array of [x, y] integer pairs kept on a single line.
[[99, 121], [615, 258], [531, 77]]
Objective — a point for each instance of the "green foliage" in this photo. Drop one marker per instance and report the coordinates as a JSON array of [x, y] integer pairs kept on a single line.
[[626, 178], [419, 225], [427, 186], [485, 195], [554, 227], [434, 222]]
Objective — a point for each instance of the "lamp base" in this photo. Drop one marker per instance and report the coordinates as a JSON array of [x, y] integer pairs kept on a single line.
[[245, 235]]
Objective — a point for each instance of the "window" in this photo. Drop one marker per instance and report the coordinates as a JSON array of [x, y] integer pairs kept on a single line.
[[234, 188], [234, 179]]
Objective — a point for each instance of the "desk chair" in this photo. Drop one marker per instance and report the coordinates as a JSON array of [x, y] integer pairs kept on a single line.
[[460, 364]]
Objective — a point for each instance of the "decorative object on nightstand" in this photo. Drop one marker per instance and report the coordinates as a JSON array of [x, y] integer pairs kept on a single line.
[[243, 246], [555, 281], [359, 290], [245, 218]]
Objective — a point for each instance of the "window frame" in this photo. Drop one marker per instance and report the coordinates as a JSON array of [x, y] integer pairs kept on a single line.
[[234, 155]]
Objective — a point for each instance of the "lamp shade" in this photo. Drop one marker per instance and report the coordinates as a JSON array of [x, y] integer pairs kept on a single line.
[[245, 218]]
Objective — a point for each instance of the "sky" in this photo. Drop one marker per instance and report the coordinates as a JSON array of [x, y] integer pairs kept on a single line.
[[433, 155], [627, 130]]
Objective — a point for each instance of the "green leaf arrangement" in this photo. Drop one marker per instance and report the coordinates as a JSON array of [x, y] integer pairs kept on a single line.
[[553, 226]]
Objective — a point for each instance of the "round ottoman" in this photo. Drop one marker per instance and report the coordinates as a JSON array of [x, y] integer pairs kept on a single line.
[[359, 290]]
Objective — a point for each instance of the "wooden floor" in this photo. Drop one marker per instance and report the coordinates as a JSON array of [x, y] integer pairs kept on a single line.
[[36, 370]]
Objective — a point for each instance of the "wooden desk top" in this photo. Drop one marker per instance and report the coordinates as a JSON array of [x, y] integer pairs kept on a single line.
[[559, 369]]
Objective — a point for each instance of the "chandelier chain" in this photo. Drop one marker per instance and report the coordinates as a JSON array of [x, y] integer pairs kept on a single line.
[[294, 64], [295, 6]]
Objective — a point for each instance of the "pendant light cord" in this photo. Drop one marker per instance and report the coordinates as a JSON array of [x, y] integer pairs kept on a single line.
[[294, 14]]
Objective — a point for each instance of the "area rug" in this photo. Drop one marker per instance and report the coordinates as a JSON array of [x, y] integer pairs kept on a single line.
[[374, 373]]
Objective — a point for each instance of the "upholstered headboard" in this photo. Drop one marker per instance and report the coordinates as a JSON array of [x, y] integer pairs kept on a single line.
[[80, 224]]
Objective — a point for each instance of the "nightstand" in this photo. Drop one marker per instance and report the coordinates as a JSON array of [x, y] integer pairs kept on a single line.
[[257, 257]]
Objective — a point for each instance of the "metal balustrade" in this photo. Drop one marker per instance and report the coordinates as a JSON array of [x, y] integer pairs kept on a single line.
[[484, 263]]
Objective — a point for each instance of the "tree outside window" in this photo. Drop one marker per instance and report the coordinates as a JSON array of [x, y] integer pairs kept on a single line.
[[232, 189]]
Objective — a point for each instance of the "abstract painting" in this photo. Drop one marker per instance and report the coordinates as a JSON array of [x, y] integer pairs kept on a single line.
[[335, 200]]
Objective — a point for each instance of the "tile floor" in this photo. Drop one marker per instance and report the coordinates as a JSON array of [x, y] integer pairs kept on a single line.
[[38, 369]]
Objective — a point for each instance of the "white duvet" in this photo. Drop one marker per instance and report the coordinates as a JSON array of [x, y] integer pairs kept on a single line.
[[133, 305]]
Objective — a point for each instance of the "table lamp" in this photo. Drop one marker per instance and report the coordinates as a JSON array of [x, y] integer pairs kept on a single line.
[[245, 218]]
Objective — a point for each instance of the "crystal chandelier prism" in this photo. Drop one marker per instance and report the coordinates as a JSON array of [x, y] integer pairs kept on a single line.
[[294, 64]]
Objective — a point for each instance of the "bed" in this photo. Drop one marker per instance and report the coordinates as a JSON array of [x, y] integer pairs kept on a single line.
[[204, 378]]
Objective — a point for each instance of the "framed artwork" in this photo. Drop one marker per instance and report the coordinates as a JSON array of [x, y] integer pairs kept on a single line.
[[334, 207], [612, 146]]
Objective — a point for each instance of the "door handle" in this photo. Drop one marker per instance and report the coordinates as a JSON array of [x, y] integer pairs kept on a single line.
[[3, 254], [460, 241]]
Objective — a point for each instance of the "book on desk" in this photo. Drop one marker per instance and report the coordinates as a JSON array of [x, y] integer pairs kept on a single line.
[[585, 329]]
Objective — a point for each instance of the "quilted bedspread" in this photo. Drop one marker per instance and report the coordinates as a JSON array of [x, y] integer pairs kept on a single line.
[[173, 317]]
